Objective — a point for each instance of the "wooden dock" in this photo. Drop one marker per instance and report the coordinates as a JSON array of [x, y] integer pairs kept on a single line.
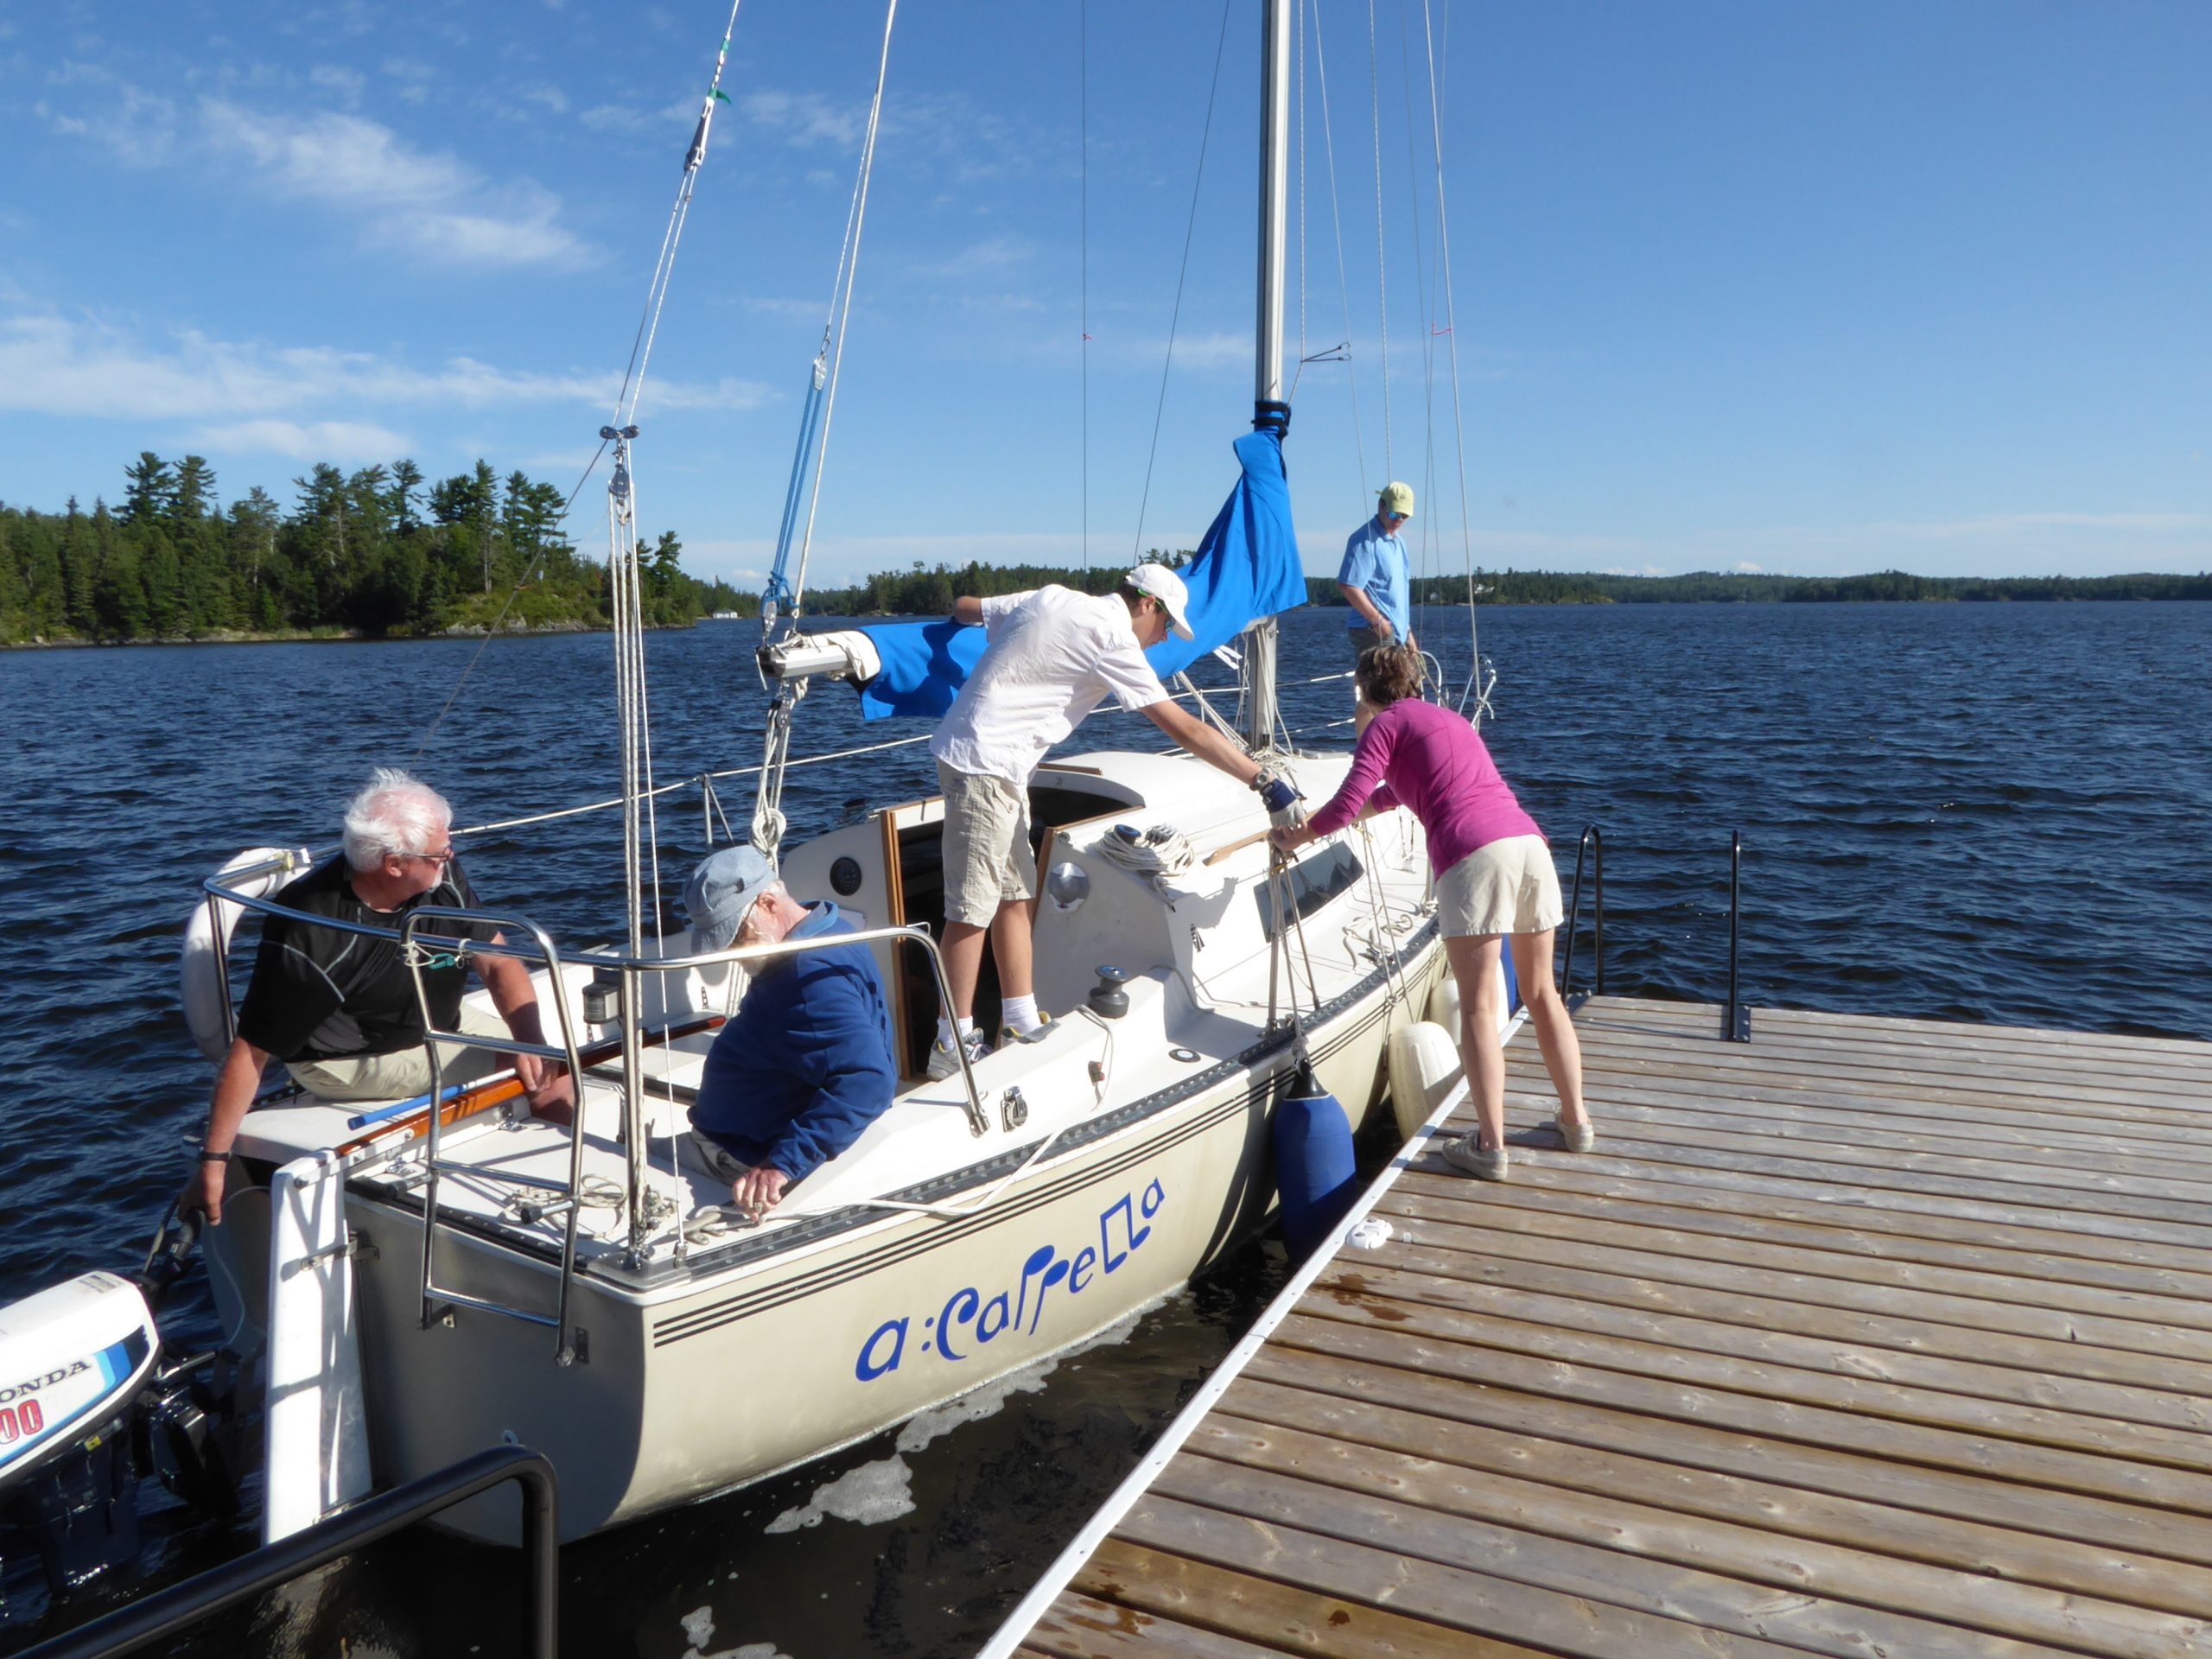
[[1871, 1337]]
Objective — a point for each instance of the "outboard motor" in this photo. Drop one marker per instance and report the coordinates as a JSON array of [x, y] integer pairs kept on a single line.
[[87, 1410], [73, 1360]]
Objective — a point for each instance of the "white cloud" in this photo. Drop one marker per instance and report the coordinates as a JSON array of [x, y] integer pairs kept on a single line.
[[331, 440], [805, 118], [1746, 567], [614, 118], [990, 256], [57, 365], [415, 200], [814, 310], [348, 84], [414, 78], [139, 128], [546, 98]]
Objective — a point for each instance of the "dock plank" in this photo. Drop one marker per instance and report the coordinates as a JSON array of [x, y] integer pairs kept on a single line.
[[1870, 1337]]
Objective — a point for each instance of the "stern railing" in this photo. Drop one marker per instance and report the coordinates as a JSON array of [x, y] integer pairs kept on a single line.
[[171, 1611]]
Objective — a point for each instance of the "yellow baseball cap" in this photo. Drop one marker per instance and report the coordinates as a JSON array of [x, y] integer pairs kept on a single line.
[[1397, 498]]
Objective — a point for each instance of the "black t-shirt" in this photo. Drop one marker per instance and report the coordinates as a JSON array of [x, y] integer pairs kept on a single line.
[[322, 993]]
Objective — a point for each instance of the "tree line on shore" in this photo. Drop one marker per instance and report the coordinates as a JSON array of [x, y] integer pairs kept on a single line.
[[930, 591], [380, 551], [385, 552]]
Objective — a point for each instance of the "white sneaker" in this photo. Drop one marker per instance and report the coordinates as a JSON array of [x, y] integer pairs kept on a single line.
[[944, 1062]]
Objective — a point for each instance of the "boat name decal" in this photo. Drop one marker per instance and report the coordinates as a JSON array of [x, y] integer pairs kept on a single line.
[[33, 1384], [967, 1321]]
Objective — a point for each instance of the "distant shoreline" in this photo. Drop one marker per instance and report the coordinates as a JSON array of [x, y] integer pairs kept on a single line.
[[318, 637], [1445, 602]]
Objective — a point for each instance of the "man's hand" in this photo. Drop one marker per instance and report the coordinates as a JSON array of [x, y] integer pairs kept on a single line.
[[757, 1191], [204, 1192], [548, 1087], [1280, 793]]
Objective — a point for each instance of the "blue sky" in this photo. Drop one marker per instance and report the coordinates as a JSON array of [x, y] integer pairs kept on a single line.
[[1805, 288]]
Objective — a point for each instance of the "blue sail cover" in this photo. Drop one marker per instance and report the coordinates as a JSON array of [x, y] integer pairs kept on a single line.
[[1246, 568]]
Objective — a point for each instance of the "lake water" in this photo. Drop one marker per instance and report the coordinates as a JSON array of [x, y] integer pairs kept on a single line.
[[1987, 812]]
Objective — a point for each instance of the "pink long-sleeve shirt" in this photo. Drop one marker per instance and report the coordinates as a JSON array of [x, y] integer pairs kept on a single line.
[[1415, 754]]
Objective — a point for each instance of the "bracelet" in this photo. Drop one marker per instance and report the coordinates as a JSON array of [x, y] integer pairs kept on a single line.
[[207, 1157]]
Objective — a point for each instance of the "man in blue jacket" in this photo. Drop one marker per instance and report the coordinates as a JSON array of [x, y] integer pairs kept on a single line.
[[805, 1064]]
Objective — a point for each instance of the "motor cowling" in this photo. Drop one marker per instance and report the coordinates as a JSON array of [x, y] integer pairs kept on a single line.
[[72, 1361]]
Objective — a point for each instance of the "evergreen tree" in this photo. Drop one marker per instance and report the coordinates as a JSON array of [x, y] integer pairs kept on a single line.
[[406, 480], [193, 496], [150, 489]]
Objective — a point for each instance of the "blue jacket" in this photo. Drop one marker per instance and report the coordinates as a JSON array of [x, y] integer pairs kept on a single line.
[[806, 1064]]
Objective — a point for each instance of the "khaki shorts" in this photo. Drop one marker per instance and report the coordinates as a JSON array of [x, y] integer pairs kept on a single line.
[[986, 857], [1509, 886], [406, 1073]]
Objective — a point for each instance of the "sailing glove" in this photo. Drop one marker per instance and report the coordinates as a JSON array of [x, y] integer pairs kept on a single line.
[[1279, 793]]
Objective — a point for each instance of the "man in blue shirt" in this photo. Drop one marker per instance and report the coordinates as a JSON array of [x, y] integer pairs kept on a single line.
[[804, 1066], [1377, 579]]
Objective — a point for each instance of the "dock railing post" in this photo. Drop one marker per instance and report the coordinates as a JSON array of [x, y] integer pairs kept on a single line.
[[1736, 1020], [1593, 840]]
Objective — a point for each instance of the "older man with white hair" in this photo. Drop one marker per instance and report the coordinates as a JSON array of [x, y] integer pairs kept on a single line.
[[339, 1008]]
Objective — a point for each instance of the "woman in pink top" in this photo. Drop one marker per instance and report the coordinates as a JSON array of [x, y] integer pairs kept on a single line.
[[1494, 877]]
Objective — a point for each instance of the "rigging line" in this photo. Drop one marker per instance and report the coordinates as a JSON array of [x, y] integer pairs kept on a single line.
[[513, 593], [641, 345], [1451, 335], [1381, 262], [1423, 529], [1291, 396], [1335, 215], [1205, 137], [845, 312], [1083, 106]]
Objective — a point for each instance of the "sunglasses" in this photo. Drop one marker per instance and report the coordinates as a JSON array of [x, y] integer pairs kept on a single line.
[[1395, 518]]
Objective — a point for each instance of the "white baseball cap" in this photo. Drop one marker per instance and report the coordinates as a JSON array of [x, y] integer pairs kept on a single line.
[[1157, 582]]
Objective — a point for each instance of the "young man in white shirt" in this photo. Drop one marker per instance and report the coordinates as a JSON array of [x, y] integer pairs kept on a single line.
[[1052, 654]]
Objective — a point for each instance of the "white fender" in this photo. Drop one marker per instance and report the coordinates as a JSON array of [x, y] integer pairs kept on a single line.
[[207, 934], [1444, 998], [1444, 1002], [1424, 1068]]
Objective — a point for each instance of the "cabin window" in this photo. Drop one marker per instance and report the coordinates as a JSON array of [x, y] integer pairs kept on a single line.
[[1312, 882]]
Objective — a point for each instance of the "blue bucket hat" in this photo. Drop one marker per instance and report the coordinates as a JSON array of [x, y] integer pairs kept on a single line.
[[723, 889]]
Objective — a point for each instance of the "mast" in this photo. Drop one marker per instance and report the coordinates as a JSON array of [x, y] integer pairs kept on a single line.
[[1267, 392]]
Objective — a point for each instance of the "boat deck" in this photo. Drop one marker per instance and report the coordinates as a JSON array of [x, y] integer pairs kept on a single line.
[[1873, 1336]]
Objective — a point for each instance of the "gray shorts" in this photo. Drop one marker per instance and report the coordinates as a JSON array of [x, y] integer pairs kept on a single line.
[[988, 862], [406, 1073], [1509, 886], [702, 1154]]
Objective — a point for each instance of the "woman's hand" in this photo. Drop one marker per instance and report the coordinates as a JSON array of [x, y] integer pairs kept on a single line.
[[1290, 838]]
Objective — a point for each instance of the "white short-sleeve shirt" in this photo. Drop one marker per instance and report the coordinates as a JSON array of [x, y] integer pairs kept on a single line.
[[1052, 654]]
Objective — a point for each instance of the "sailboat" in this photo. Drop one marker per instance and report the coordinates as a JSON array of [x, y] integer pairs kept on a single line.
[[416, 1283]]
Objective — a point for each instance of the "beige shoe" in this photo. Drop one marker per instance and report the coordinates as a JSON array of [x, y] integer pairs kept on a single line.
[[1579, 1137], [1464, 1153]]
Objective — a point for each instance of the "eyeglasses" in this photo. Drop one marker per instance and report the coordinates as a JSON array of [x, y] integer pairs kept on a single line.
[[439, 859]]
